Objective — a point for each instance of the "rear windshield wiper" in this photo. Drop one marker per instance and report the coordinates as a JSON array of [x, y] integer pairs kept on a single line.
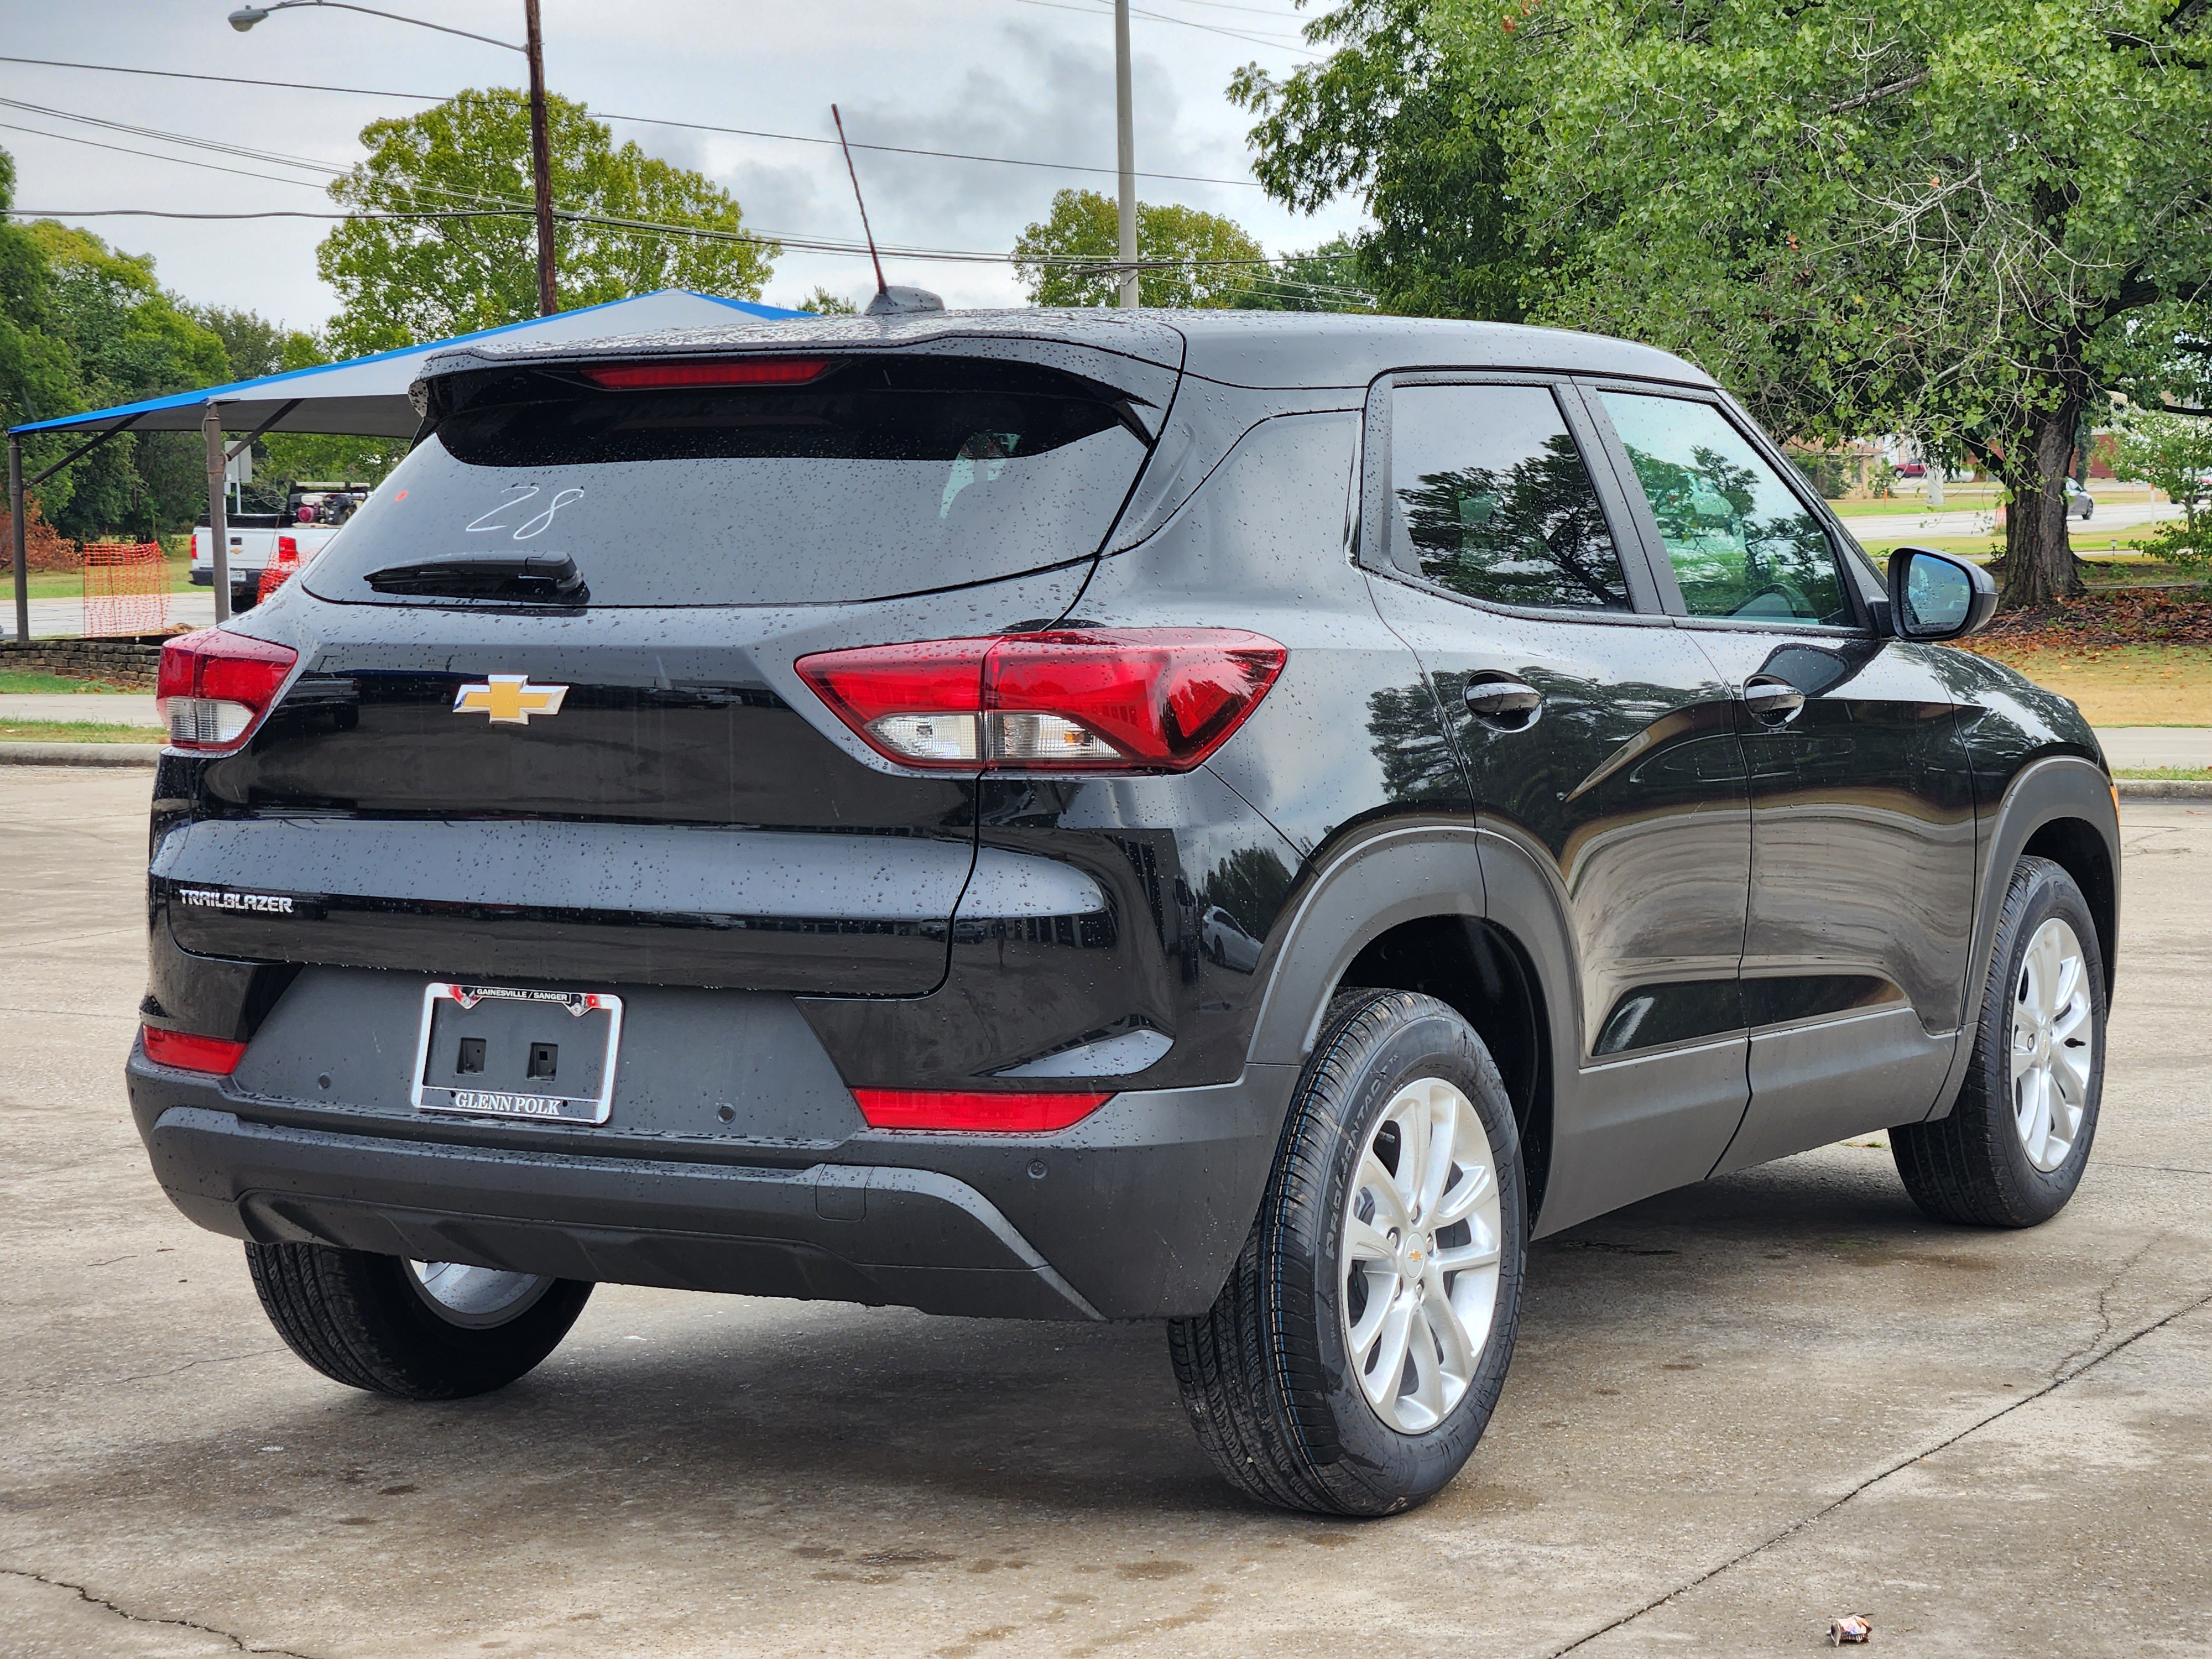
[[542, 579]]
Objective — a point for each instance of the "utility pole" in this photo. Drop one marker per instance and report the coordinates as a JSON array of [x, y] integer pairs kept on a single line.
[[218, 510], [541, 159], [20, 557], [1125, 116]]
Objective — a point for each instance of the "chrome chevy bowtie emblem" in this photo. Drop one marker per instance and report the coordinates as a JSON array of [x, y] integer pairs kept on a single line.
[[509, 699]]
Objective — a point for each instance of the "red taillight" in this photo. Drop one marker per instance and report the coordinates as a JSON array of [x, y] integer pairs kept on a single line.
[[958, 1111], [192, 1053], [215, 686], [1113, 699], [734, 371], [281, 569]]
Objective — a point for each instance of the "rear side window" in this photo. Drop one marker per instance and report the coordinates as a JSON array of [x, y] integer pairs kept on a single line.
[[1490, 498], [870, 478], [1740, 541]]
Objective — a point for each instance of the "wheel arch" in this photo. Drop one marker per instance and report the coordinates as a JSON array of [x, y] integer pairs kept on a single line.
[[1428, 909], [2061, 807]]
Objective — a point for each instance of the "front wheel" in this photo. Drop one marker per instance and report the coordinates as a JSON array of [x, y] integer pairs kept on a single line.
[[1352, 1360], [2012, 1148], [416, 1330]]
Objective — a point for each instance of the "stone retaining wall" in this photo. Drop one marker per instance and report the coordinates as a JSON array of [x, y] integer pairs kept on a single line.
[[130, 663]]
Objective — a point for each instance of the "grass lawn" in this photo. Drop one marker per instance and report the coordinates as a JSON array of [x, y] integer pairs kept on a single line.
[[1880, 541], [2165, 773], [76, 731], [12, 681], [2126, 686], [70, 584]]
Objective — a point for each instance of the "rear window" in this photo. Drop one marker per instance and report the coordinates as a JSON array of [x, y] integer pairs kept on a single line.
[[874, 477]]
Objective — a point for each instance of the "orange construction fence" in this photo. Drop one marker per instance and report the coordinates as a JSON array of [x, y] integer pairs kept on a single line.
[[126, 588]]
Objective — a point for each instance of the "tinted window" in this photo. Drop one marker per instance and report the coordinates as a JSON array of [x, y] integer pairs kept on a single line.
[[1492, 498], [1740, 542], [875, 479]]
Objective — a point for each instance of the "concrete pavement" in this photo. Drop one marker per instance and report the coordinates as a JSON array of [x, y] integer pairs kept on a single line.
[[101, 708], [1736, 1410]]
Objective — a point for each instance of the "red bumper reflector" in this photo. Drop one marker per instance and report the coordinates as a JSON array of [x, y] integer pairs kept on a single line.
[[955, 1110], [192, 1053], [735, 370]]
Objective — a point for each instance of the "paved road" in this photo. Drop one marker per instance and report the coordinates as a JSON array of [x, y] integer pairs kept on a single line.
[[1736, 1411], [1923, 521]]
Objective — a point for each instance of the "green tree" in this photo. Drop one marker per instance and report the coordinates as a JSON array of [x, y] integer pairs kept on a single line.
[[1206, 260], [1330, 278], [132, 339], [401, 281], [39, 371], [822, 303], [2174, 453], [1395, 115], [1965, 219]]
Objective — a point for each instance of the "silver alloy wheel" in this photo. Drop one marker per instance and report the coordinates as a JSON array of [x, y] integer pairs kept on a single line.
[[476, 1298], [2054, 1049], [1419, 1257]]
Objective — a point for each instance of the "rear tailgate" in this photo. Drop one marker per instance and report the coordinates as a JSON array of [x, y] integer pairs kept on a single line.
[[546, 724], [679, 820]]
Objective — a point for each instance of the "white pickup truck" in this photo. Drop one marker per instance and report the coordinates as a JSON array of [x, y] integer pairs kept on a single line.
[[258, 541]]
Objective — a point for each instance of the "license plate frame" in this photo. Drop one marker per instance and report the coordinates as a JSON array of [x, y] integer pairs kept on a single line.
[[447, 1006]]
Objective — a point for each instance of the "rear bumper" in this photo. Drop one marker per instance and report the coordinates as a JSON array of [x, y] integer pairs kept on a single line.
[[831, 1232], [1138, 1212]]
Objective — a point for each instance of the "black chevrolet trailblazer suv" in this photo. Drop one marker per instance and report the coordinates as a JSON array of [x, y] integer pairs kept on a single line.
[[1238, 820]]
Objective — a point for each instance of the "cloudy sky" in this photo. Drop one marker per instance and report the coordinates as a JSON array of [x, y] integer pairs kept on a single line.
[[1023, 78]]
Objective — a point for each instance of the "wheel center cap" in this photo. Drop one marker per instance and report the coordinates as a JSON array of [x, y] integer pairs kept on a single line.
[[1413, 1260]]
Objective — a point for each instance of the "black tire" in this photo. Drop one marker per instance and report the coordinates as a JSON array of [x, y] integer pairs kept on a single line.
[[362, 1320], [1971, 1167], [1265, 1374]]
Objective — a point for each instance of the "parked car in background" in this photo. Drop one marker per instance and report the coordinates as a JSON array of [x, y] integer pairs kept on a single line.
[[2080, 503], [266, 541], [1238, 819]]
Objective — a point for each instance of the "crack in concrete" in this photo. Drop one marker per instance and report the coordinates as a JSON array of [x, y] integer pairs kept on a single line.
[[239, 1643], [2104, 1314], [211, 1360], [1803, 1523]]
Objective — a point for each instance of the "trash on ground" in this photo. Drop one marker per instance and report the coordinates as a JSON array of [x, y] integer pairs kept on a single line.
[[1849, 1628]]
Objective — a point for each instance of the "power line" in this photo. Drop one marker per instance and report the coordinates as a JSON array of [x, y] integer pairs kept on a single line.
[[1276, 41], [491, 205], [704, 233], [643, 120]]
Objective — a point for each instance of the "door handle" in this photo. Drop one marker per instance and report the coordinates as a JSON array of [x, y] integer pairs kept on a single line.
[[1509, 703], [1773, 701]]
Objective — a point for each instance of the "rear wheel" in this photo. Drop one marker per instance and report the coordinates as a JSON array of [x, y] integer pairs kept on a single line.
[[1351, 1362], [416, 1330], [2012, 1149]]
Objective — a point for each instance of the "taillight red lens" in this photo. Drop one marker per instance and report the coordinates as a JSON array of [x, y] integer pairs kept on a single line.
[[1089, 700], [738, 371], [214, 686], [192, 1053], [954, 1111]]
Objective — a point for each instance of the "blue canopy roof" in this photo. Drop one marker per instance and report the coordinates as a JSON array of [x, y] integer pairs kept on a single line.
[[366, 396]]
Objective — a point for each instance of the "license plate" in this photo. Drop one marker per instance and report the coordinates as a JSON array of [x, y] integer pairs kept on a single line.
[[495, 1050]]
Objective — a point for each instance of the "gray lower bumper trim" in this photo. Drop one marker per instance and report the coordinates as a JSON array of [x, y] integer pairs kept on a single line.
[[834, 1232]]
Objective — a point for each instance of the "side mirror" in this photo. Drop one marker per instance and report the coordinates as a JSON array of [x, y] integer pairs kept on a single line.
[[1934, 597]]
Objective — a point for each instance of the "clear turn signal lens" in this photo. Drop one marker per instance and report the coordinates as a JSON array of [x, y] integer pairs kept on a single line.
[[929, 739], [214, 686]]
